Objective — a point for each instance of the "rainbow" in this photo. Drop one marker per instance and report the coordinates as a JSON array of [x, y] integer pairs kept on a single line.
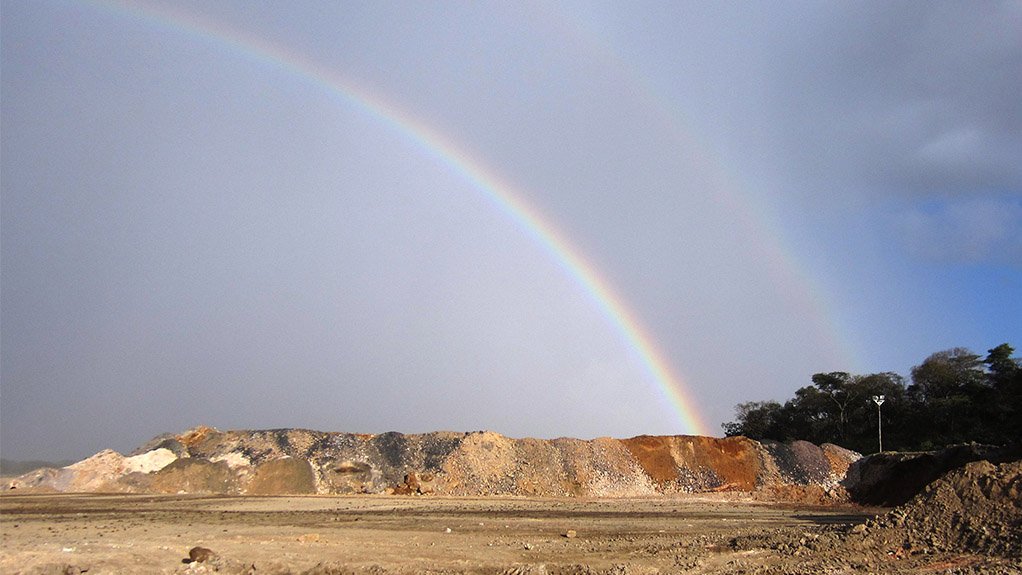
[[501, 194], [787, 273]]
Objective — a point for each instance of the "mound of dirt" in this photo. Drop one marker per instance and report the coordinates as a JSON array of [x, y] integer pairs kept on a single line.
[[102, 471], [892, 479], [289, 476], [42, 480], [297, 461], [190, 475], [799, 462], [687, 463], [977, 508]]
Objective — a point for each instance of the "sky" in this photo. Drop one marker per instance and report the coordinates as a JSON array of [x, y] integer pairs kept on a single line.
[[542, 219]]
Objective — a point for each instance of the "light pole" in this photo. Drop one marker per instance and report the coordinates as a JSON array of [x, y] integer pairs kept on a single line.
[[879, 400]]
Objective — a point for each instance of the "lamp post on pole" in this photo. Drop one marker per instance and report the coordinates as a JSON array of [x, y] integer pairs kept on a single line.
[[879, 400]]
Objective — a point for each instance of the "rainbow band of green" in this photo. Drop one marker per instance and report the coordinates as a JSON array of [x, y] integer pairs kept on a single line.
[[502, 194]]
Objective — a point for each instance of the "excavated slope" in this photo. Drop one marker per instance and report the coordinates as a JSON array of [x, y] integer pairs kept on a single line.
[[299, 461]]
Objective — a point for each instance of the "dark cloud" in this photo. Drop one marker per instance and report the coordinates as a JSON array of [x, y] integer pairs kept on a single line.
[[916, 97]]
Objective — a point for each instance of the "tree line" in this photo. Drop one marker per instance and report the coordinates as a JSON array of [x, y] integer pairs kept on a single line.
[[955, 396]]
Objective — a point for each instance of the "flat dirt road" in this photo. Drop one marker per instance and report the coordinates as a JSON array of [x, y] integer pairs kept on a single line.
[[96, 533]]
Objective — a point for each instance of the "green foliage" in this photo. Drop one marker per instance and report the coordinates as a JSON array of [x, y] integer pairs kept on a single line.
[[1005, 373], [756, 417], [956, 396]]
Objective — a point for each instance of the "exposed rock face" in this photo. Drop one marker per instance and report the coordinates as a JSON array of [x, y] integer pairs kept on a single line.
[[297, 461]]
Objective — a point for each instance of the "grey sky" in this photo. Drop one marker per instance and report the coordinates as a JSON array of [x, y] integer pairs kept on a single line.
[[193, 234]]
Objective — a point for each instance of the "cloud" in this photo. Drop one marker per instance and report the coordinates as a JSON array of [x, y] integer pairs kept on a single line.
[[905, 98], [970, 230]]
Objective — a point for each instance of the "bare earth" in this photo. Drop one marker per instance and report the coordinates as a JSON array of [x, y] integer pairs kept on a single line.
[[47, 533]]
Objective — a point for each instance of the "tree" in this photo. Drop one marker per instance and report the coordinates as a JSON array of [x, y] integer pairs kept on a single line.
[[754, 419], [955, 397], [862, 412], [1005, 375], [947, 373], [953, 394], [811, 416], [1002, 366], [836, 385]]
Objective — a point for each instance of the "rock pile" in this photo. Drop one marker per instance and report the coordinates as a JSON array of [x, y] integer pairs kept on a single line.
[[298, 461], [101, 472], [893, 478], [969, 521], [976, 508]]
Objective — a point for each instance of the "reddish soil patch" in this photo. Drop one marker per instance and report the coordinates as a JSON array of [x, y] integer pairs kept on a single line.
[[195, 436], [654, 456], [702, 462], [734, 460]]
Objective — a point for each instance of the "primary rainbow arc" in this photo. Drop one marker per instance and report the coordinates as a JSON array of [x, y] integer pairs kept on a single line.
[[500, 193]]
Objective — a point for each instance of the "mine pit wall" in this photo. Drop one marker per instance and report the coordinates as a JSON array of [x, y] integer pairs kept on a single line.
[[298, 461]]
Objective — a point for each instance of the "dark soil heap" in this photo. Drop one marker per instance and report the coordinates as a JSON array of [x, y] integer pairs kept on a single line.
[[967, 522], [976, 508], [894, 478]]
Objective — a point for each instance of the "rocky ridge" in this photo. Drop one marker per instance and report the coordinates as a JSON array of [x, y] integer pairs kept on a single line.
[[299, 461]]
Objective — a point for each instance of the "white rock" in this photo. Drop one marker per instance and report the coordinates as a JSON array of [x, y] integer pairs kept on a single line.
[[234, 460], [150, 461]]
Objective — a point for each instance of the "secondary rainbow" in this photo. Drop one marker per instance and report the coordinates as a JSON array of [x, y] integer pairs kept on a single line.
[[786, 270], [500, 193]]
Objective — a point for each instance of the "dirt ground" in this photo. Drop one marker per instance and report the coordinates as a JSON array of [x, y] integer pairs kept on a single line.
[[97, 533]]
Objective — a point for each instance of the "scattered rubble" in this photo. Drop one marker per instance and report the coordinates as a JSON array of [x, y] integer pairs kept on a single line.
[[966, 522]]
